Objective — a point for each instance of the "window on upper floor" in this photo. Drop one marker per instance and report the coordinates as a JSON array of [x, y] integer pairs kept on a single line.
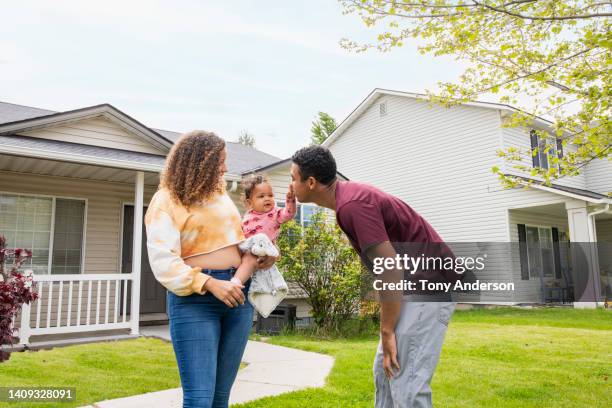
[[543, 157]]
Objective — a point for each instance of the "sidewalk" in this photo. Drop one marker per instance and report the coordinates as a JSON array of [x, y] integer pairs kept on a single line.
[[271, 370]]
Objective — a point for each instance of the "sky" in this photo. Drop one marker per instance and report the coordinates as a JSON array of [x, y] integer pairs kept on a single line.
[[265, 67]]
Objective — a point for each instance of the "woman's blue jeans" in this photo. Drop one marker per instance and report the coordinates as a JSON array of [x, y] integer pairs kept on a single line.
[[209, 339]]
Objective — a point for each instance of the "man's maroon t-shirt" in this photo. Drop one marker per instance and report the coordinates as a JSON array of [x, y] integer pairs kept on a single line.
[[369, 216]]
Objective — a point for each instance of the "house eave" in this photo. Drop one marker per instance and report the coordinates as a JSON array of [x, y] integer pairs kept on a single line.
[[572, 195], [279, 164], [78, 158], [556, 190], [20, 151], [267, 167]]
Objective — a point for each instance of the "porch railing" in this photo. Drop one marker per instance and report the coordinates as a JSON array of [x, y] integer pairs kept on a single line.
[[77, 303]]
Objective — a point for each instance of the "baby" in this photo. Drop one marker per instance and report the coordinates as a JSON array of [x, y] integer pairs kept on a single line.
[[262, 215]]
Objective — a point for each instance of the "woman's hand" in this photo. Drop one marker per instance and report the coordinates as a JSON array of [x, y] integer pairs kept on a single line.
[[258, 262], [226, 291], [265, 262]]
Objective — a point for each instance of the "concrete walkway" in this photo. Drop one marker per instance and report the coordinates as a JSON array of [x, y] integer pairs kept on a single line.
[[271, 370]]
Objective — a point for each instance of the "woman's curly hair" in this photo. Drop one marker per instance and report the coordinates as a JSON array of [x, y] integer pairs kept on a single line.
[[193, 168]]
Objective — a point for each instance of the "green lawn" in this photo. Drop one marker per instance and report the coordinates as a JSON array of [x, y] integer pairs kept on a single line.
[[491, 358], [99, 371]]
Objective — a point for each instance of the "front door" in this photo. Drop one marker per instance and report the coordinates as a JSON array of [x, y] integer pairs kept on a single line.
[[152, 293]]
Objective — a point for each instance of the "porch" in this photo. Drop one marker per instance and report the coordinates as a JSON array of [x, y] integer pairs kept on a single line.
[[84, 223], [565, 252]]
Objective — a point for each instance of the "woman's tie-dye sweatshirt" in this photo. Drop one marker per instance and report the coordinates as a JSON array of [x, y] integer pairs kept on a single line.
[[175, 233]]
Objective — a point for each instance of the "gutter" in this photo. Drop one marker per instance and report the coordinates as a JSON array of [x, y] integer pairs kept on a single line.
[[93, 160], [79, 158], [605, 210]]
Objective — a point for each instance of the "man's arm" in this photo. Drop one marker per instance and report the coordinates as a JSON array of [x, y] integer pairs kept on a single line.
[[364, 223], [390, 306]]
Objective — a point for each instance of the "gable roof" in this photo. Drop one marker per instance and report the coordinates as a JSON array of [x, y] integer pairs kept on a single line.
[[378, 92], [280, 163], [105, 110], [16, 118]]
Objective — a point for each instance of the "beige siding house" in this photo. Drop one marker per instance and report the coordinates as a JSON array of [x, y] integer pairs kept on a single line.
[[73, 187]]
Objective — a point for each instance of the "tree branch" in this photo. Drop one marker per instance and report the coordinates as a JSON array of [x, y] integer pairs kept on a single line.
[[528, 74], [518, 15]]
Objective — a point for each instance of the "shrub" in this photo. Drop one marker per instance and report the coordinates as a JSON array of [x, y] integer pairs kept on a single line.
[[320, 260], [16, 288]]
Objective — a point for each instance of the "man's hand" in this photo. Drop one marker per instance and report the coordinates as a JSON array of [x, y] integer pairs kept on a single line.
[[389, 346], [390, 308]]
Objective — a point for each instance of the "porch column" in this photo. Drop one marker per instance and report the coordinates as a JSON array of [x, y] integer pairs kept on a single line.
[[24, 328], [137, 251], [585, 264]]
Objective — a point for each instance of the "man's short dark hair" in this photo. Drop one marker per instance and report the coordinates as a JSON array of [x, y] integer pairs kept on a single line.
[[317, 162]]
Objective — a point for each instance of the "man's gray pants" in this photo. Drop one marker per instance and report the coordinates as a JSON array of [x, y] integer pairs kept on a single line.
[[419, 333]]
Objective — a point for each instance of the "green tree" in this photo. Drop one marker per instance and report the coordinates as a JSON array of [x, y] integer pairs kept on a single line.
[[320, 260], [555, 53], [246, 138], [322, 128]]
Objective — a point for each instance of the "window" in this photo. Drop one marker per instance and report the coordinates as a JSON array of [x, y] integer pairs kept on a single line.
[[307, 213], [51, 227], [543, 158], [68, 236], [303, 213], [540, 251], [564, 255]]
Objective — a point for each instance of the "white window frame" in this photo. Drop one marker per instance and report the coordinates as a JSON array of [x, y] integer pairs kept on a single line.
[[546, 155], [297, 205], [52, 230]]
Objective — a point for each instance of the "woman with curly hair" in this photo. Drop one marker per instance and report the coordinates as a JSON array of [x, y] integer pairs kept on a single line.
[[193, 231]]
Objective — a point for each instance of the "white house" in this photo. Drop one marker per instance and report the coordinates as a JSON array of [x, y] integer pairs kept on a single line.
[[439, 161], [73, 188]]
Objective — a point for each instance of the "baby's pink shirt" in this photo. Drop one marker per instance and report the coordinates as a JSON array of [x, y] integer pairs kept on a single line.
[[269, 222]]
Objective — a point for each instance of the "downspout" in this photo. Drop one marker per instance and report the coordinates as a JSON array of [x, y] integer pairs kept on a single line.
[[605, 210], [591, 216]]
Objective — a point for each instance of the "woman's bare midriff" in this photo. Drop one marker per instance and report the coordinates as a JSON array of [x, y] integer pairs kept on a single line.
[[223, 258]]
